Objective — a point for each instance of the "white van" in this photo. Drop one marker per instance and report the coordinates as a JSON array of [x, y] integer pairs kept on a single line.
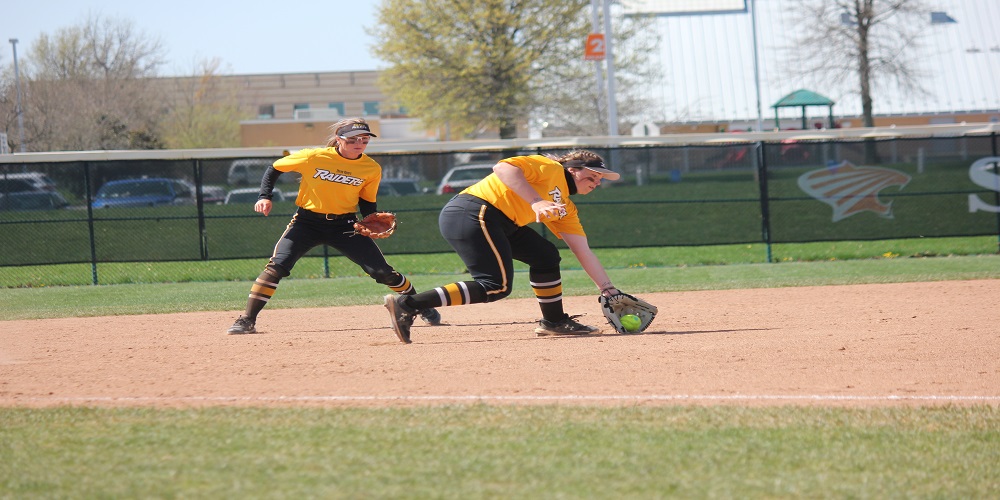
[[23, 182], [249, 172]]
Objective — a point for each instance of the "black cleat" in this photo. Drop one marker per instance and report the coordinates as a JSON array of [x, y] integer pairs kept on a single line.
[[431, 316], [400, 315], [566, 326], [243, 325]]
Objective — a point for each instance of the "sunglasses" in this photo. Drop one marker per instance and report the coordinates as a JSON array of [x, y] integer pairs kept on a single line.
[[358, 139]]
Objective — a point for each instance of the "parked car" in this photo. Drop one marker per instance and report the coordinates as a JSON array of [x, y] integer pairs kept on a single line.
[[250, 195], [148, 192], [25, 182], [462, 177], [249, 171], [213, 195], [32, 200], [400, 187]]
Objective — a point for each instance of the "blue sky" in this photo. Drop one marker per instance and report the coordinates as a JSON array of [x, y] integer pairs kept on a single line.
[[253, 36]]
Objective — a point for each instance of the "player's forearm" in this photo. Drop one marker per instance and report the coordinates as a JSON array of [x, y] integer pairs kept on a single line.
[[267, 182], [597, 273], [366, 207], [591, 264]]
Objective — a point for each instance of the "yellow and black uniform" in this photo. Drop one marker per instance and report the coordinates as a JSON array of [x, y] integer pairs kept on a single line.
[[331, 190], [332, 184], [486, 224], [550, 181]]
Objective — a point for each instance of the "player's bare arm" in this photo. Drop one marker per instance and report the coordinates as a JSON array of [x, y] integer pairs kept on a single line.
[[513, 178], [591, 264]]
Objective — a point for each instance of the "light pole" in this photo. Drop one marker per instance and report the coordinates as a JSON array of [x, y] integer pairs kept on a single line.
[[756, 70], [610, 55], [17, 83]]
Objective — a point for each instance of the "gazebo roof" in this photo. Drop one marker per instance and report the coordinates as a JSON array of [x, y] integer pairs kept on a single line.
[[803, 97]]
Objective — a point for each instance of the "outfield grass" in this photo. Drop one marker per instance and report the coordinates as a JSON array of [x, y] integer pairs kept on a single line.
[[356, 289], [449, 263], [481, 451]]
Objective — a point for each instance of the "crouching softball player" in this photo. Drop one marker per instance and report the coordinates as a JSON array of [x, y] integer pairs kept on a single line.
[[486, 224]]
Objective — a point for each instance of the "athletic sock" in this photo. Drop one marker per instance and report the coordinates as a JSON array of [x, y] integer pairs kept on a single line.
[[260, 293], [547, 286]]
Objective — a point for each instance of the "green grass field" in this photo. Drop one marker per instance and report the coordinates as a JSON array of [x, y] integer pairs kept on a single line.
[[482, 451], [503, 451]]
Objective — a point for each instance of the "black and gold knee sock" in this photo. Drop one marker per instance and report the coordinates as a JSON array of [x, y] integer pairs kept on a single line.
[[452, 294], [261, 291], [547, 286], [403, 286]]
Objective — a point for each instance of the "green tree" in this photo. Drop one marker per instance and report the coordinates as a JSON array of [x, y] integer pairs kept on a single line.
[[206, 113], [89, 87], [486, 65], [569, 99]]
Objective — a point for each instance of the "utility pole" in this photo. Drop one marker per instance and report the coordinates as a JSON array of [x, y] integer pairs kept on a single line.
[[756, 70], [595, 28], [612, 107], [17, 83]]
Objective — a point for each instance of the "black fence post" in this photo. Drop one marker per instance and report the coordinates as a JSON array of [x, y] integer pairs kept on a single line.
[[765, 210], [326, 261], [996, 193], [199, 195], [90, 222]]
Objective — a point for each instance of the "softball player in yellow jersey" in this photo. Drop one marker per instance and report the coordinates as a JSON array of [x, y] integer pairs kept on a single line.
[[336, 181], [487, 225]]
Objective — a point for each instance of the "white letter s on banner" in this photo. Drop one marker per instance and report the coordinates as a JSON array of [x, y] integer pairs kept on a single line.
[[984, 172]]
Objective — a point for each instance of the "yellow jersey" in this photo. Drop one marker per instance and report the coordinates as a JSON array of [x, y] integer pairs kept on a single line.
[[548, 178], [332, 184]]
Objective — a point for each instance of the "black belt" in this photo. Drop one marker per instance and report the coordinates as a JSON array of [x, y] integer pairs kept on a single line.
[[309, 214]]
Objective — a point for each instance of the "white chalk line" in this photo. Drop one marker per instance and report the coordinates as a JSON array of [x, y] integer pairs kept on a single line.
[[502, 398]]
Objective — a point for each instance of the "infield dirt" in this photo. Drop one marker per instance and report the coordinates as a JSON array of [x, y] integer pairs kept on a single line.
[[912, 343]]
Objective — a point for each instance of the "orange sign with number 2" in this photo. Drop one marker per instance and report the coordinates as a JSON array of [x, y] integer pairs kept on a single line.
[[594, 50]]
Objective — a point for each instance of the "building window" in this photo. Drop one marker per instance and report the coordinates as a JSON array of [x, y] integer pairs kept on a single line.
[[300, 105], [371, 108], [265, 112], [339, 106]]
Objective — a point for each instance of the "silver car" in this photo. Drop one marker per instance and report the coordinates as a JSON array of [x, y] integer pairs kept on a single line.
[[462, 177]]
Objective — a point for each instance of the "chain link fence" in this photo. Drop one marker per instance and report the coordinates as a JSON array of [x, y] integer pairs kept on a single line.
[[136, 208]]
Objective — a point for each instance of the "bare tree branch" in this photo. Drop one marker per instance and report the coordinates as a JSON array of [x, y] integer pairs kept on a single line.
[[870, 42]]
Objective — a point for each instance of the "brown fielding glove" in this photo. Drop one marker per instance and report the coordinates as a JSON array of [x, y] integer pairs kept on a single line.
[[377, 225]]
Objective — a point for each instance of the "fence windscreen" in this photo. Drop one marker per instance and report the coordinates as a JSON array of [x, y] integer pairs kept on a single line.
[[148, 210]]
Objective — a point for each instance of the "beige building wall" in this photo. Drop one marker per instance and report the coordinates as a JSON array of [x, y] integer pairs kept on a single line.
[[283, 91], [316, 90], [271, 100], [304, 133], [260, 133]]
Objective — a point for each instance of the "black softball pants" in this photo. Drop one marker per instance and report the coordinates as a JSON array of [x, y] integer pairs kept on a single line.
[[488, 242], [308, 230]]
